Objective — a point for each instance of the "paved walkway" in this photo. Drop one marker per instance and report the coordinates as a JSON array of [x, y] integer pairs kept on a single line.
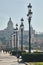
[[7, 59]]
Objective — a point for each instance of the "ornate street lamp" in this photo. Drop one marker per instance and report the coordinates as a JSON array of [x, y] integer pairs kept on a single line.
[[14, 40], [16, 37], [29, 21], [22, 27]]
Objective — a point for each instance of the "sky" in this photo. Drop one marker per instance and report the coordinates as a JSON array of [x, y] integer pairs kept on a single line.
[[16, 9]]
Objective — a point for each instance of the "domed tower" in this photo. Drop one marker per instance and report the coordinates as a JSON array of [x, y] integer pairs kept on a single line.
[[10, 24]]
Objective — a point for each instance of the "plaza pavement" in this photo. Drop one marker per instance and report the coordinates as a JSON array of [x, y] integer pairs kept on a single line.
[[7, 59]]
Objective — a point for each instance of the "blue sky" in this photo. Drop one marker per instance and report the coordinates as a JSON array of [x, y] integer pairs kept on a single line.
[[16, 9]]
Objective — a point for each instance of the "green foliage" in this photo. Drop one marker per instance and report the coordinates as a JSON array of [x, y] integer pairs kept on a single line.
[[32, 57], [14, 52], [39, 52], [35, 63]]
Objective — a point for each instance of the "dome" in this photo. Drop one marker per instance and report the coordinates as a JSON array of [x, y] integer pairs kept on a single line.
[[10, 24]]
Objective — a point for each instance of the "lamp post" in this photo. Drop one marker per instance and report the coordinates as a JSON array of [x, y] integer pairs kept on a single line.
[[22, 27], [29, 21], [14, 40], [16, 37]]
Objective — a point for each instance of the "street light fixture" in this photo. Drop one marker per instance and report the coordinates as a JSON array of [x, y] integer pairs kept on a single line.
[[29, 15], [22, 27], [16, 37]]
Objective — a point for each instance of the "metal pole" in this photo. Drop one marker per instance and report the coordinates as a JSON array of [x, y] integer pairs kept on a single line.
[[29, 37], [21, 39], [16, 41], [29, 20]]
